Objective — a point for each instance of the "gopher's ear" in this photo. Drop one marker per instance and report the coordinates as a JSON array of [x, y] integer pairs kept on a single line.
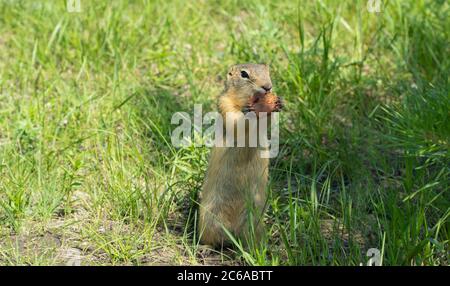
[[230, 73]]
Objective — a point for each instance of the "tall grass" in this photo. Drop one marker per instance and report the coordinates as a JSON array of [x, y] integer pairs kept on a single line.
[[86, 101]]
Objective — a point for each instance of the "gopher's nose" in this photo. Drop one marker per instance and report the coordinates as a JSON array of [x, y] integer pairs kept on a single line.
[[267, 87]]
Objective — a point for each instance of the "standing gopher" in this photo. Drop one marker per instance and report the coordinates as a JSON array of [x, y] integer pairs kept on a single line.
[[234, 190]]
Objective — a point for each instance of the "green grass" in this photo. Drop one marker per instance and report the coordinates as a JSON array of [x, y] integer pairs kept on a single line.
[[86, 101]]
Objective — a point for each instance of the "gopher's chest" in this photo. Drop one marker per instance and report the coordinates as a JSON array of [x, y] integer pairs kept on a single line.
[[245, 170]]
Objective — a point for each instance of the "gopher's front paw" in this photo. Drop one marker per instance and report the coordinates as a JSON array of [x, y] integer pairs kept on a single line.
[[279, 104], [248, 108]]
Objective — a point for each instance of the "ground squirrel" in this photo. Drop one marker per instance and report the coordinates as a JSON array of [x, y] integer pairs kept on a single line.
[[234, 189]]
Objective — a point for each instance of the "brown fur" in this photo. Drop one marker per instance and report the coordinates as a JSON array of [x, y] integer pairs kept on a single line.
[[236, 178]]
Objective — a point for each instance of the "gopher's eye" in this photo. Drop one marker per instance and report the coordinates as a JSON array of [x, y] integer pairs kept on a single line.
[[244, 74]]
